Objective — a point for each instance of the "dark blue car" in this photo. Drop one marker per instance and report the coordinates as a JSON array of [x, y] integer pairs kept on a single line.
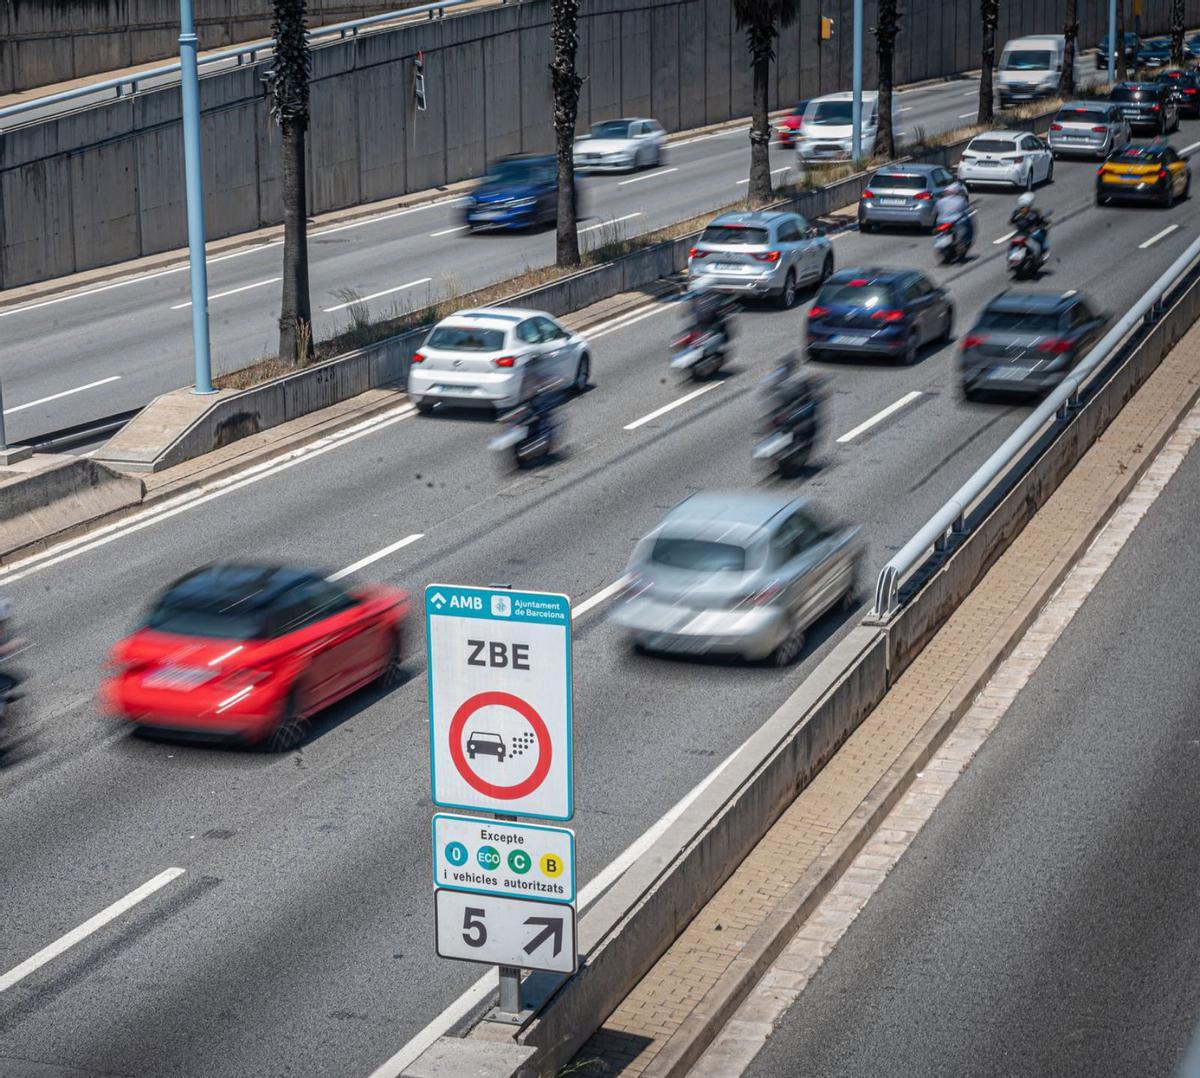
[[520, 191], [889, 312]]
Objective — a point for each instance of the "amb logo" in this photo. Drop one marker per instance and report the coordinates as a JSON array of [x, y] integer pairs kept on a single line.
[[456, 602]]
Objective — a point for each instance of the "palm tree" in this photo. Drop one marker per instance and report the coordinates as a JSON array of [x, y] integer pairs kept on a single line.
[[1066, 81], [762, 19], [564, 32], [1177, 33], [885, 45], [989, 15], [289, 107], [1122, 72]]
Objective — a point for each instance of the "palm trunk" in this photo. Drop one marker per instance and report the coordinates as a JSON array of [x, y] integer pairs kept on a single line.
[[885, 37], [566, 82], [1177, 28], [760, 38], [989, 11], [295, 313], [1122, 72], [1066, 82]]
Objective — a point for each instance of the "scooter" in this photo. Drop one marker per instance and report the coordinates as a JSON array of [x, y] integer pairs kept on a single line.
[[1026, 255], [789, 437], [701, 354], [950, 241], [530, 436]]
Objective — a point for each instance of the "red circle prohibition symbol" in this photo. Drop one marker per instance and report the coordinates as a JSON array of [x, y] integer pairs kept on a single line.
[[500, 699]]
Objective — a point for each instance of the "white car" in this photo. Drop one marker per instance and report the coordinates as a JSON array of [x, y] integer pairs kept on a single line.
[[620, 146], [484, 358], [827, 129], [1012, 158]]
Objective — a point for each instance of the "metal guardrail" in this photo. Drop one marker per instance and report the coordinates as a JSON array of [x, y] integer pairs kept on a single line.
[[950, 520], [128, 84], [80, 433]]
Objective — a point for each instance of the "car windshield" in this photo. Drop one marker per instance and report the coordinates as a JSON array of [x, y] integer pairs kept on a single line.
[[466, 339], [851, 295], [181, 619], [1138, 155], [905, 181], [698, 555], [1028, 60], [992, 145], [1134, 93], [1018, 321], [1081, 116], [611, 129], [836, 113], [512, 172], [734, 235]]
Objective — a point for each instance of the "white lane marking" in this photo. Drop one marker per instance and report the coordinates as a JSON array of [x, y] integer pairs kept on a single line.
[[971, 93], [774, 172], [705, 138], [376, 295], [452, 200], [64, 393], [93, 924], [1157, 236], [628, 320], [907, 108], [613, 221], [879, 417], [736, 1046], [1188, 149], [671, 407], [230, 292], [486, 984], [370, 559], [1003, 239], [965, 115], [649, 176], [595, 600], [449, 231], [72, 548]]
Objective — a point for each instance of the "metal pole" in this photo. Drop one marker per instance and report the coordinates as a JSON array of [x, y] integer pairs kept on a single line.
[[1112, 41], [510, 976], [856, 115], [3, 440], [190, 84]]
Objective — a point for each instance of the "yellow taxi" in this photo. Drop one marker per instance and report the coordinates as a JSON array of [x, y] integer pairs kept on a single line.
[[1154, 173]]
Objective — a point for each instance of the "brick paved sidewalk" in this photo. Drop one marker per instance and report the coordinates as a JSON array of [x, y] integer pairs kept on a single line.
[[632, 1039]]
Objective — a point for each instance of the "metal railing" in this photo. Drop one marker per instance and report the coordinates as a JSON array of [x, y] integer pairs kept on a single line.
[[244, 54], [951, 520]]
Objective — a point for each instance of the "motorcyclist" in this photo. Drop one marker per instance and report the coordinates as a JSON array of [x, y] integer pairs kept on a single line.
[[709, 311], [1030, 222], [792, 397], [9, 679], [954, 207]]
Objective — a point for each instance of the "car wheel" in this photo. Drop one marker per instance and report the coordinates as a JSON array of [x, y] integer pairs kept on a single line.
[[1050, 172], [788, 649], [1029, 178], [1169, 198], [826, 268], [393, 673], [864, 226], [424, 407], [1102, 200], [292, 727], [1187, 187], [948, 328], [657, 156], [912, 347], [787, 298], [581, 373]]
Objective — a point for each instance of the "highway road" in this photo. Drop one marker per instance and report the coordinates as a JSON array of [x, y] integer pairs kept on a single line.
[[112, 347], [1044, 920], [298, 938]]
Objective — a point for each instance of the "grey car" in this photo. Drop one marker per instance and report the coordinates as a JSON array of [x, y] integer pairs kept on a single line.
[[764, 253], [903, 195], [737, 573], [1088, 128]]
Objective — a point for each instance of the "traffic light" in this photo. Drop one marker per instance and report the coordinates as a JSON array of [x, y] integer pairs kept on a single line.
[[419, 80], [826, 28]]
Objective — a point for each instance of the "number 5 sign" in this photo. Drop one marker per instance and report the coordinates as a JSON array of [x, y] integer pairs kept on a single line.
[[506, 931]]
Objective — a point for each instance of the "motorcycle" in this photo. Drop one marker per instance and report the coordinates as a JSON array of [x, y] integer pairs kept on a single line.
[[701, 353], [1026, 255], [950, 241], [10, 680], [789, 435], [531, 435]]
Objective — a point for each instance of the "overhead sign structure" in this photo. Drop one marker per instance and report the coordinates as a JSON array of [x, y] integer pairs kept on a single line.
[[505, 931], [500, 700], [501, 858]]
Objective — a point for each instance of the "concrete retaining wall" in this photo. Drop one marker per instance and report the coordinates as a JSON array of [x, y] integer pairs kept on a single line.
[[488, 89]]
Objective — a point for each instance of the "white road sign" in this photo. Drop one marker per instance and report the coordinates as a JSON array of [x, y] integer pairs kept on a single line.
[[502, 858], [505, 931], [500, 700]]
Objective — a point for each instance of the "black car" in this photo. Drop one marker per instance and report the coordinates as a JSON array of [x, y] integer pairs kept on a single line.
[[1132, 44], [1154, 53], [1146, 105], [1027, 342], [1184, 89], [890, 312]]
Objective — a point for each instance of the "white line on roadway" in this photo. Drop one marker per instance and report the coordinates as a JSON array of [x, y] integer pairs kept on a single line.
[[387, 216], [1188, 149], [613, 221], [230, 292], [448, 231], [705, 138], [64, 393], [486, 984], [627, 320], [376, 295], [599, 597], [1157, 236], [649, 176], [71, 548], [670, 407], [362, 563], [94, 924], [1003, 239], [907, 108], [878, 417], [774, 172], [965, 115]]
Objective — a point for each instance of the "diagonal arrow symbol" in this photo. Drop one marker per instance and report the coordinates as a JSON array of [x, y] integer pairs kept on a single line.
[[552, 926]]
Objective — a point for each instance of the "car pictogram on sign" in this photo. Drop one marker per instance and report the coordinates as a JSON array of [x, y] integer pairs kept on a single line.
[[489, 744]]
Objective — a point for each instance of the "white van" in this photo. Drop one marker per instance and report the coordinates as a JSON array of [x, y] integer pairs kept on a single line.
[[826, 130], [1030, 68]]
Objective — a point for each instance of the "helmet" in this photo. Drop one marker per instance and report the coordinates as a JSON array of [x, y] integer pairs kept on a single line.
[[1026, 200]]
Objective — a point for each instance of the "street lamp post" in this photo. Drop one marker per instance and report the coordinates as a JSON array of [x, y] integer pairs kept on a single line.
[[1112, 42], [194, 182], [856, 105]]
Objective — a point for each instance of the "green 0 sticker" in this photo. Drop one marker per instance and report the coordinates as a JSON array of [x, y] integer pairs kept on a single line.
[[520, 862]]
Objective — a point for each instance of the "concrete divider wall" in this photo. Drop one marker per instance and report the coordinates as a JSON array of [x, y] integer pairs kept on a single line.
[[488, 90]]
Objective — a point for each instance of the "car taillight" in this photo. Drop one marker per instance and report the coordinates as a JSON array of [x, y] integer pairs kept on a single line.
[[1018, 159], [686, 339], [923, 196], [888, 316], [1162, 173], [1189, 90], [505, 361], [973, 340], [1018, 241], [944, 227], [1055, 348], [868, 193], [1099, 130], [1056, 127], [695, 252], [767, 256], [1155, 108], [418, 357], [816, 311]]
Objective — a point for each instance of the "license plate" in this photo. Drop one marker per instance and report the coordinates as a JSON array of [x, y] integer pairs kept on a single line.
[[1008, 374], [728, 267], [770, 446], [990, 164], [849, 338], [684, 645], [176, 677], [893, 201], [488, 215]]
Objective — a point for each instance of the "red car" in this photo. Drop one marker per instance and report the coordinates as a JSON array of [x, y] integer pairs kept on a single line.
[[787, 127], [252, 652]]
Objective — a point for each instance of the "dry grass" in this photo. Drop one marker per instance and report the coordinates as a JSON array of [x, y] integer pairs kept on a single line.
[[262, 370]]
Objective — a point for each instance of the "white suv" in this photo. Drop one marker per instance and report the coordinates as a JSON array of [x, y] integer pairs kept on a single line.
[[827, 128], [485, 358]]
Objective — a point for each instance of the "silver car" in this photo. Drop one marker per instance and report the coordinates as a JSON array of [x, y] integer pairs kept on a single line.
[[764, 253], [739, 574], [903, 195], [1089, 128], [620, 145]]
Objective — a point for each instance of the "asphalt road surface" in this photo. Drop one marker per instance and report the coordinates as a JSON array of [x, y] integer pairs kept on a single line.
[[1045, 920]]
